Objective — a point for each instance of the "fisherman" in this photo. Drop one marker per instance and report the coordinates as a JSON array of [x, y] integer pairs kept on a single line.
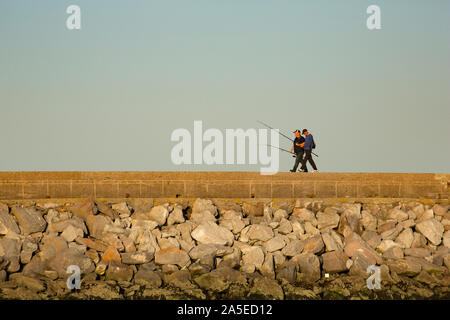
[[308, 146], [297, 147]]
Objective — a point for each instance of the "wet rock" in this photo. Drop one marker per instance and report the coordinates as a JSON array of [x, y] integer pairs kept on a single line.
[[334, 262], [432, 230], [266, 289], [30, 220], [172, 256], [308, 265], [119, 272], [404, 267], [212, 233]]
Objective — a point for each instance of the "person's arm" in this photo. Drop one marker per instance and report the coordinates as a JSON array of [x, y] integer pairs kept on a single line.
[[292, 149]]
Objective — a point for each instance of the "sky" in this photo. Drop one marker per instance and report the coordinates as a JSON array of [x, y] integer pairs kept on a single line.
[[108, 96]]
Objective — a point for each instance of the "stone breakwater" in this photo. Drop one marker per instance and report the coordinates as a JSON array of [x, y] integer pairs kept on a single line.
[[223, 249]]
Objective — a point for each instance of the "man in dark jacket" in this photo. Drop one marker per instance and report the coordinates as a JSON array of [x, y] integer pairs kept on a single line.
[[309, 145], [297, 147]]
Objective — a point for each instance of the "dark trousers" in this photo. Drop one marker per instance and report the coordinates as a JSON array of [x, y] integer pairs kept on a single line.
[[298, 160], [308, 157]]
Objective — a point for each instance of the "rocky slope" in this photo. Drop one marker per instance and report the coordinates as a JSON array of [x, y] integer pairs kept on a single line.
[[217, 249]]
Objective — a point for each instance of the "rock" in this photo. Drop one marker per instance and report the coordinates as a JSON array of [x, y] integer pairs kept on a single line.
[[176, 216], [385, 245], [148, 278], [267, 269], [266, 289], [96, 225], [432, 230], [165, 243], [297, 227], [111, 254], [285, 227], [220, 279], [119, 272], [354, 243], [392, 233], [253, 256], [303, 215], [368, 221], [106, 209], [427, 214], [310, 230], [201, 205], [419, 241], [397, 214], [260, 232], [313, 244], [7, 223], [331, 241], [10, 251], [30, 220], [71, 233], [309, 266], [83, 209], [287, 271], [97, 245], [334, 262], [159, 214], [447, 260], [393, 253], [427, 266], [373, 239], [122, 209], [212, 233], [417, 252], [405, 238], [147, 242], [404, 267], [440, 210], [34, 285], [446, 237], [279, 215], [253, 210], [203, 250], [293, 248], [362, 260], [386, 226], [67, 257], [60, 226], [329, 219], [172, 256], [274, 244]]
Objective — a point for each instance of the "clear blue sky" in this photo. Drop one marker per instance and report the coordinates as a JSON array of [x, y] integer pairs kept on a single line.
[[108, 96]]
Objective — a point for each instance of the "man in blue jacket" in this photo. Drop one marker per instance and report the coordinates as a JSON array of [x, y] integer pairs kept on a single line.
[[309, 145]]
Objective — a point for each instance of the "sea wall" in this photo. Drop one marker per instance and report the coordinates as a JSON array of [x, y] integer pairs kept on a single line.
[[51, 185], [144, 248]]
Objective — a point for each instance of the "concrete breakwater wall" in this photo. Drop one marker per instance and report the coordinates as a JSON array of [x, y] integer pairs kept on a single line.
[[42, 185], [224, 248]]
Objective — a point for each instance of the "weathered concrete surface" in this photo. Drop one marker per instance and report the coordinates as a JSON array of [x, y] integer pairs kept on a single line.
[[41, 185]]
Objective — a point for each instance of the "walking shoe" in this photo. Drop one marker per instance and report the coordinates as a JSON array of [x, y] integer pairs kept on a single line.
[[300, 170], [292, 170], [315, 171]]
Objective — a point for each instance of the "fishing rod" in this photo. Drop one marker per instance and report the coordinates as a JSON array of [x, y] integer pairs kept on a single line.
[[283, 135], [281, 149]]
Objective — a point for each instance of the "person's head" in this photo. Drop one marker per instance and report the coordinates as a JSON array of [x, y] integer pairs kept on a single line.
[[297, 133], [305, 132]]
